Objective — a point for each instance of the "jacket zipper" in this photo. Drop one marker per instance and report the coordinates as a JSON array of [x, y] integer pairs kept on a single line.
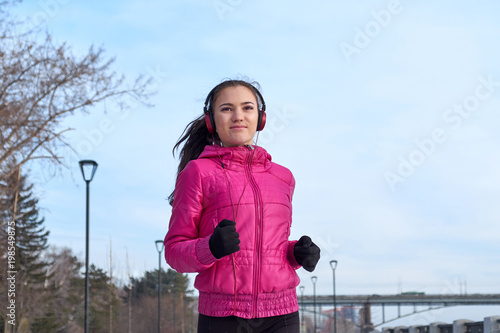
[[258, 229]]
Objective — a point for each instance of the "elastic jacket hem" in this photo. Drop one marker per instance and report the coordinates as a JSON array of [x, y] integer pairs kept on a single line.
[[268, 304]]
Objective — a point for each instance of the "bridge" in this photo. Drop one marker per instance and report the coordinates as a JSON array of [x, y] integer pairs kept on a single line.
[[404, 299], [365, 302]]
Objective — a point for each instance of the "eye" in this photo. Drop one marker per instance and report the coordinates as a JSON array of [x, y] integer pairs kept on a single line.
[[249, 107], [225, 109]]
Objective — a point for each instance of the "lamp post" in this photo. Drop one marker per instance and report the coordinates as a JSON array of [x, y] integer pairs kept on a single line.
[[88, 168], [302, 305], [314, 279], [333, 265], [159, 248]]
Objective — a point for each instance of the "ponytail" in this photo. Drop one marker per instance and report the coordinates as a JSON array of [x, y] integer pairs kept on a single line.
[[196, 137]]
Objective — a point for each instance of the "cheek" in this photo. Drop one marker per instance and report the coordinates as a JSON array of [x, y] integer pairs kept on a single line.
[[254, 117], [219, 121]]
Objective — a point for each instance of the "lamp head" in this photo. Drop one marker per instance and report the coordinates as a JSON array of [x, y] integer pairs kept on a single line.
[[159, 246], [314, 279], [88, 168], [333, 264]]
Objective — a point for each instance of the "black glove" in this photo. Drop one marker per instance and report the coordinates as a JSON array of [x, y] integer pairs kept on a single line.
[[306, 253], [224, 240]]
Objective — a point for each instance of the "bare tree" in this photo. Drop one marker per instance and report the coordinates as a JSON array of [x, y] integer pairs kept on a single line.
[[41, 84]]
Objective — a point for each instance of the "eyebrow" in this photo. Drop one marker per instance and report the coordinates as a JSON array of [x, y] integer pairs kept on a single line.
[[231, 104]]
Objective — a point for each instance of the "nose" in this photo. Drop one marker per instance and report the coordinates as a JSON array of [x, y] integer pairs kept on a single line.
[[237, 115]]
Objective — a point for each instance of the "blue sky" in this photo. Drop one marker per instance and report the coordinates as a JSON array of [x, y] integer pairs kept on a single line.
[[385, 111]]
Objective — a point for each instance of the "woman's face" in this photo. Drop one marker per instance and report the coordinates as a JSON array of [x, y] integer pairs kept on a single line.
[[236, 114]]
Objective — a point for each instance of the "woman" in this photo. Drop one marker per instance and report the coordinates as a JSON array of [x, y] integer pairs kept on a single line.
[[231, 219]]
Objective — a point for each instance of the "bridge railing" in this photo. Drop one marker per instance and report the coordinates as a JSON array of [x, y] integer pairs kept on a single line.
[[488, 325]]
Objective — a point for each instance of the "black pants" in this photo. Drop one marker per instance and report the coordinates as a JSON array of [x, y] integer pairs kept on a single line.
[[280, 324]]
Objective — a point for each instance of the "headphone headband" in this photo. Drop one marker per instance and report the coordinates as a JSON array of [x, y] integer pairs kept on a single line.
[[208, 107]]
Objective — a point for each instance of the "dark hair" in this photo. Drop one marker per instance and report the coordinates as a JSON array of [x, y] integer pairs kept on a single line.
[[196, 135]]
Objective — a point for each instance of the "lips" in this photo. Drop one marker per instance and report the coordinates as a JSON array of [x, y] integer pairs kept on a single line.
[[238, 127]]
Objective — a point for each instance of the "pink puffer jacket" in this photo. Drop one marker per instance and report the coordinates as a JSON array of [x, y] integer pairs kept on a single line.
[[260, 279]]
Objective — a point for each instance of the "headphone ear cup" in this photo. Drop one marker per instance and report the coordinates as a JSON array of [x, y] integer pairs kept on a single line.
[[262, 121], [209, 121]]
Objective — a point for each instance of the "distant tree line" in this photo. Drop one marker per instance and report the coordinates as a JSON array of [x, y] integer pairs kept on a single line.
[[49, 282]]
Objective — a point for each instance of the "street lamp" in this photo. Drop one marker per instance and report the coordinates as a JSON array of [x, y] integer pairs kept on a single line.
[[314, 279], [88, 168], [333, 265], [302, 304], [159, 248]]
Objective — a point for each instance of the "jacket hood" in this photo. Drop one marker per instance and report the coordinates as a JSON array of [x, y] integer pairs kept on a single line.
[[235, 156]]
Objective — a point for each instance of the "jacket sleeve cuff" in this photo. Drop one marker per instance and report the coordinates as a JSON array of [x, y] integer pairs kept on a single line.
[[291, 256], [203, 252]]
